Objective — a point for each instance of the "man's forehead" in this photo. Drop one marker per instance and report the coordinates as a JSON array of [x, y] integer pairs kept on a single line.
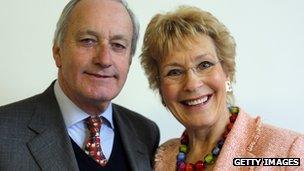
[[99, 4], [96, 10], [100, 16]]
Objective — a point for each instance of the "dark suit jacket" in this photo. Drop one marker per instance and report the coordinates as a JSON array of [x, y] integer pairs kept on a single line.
[[33, 136]]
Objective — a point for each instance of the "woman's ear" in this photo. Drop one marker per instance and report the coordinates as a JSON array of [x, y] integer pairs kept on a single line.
[[57, 55], [162, 99]]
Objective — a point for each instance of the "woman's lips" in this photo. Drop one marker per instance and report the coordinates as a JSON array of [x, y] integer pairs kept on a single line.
[[198, 101]]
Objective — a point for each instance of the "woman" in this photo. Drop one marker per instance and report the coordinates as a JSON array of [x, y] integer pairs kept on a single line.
[[189, 57]]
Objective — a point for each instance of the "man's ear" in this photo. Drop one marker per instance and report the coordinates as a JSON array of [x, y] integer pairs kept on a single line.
[[130, 62], [57, 55]]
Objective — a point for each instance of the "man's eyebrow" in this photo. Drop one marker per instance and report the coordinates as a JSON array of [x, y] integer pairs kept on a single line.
[[120, 37], [115, 37], [90, 32]]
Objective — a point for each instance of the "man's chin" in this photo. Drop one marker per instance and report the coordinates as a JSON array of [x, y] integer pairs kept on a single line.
[[101, 97]]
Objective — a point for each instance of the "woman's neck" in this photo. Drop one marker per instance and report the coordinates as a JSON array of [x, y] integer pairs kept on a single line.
[[202, 141]]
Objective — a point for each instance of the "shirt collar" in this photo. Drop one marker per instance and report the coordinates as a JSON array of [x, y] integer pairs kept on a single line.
[[72, 114]]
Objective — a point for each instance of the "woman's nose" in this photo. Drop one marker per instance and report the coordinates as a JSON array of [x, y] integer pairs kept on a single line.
[[192, 81]]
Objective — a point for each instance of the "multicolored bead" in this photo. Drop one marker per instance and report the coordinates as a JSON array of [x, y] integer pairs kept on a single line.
[[181, 166], [185, 138], [234, 110], [181, 156], [189, 167], [210, 158], [220, 143], [229, 126], [232, 118], [183, 148], [216, 151], [199, 166]]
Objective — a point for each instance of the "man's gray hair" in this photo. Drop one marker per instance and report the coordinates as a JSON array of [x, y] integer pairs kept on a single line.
[[62, 23]]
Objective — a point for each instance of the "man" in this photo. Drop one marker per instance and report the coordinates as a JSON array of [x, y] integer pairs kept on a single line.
[[57, 130]]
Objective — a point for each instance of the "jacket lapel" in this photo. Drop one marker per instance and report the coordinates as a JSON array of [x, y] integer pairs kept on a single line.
[[239, 142], [134, 148], [51, 147]]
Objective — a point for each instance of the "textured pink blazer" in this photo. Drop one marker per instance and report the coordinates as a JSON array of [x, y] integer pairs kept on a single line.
[[249, 138]]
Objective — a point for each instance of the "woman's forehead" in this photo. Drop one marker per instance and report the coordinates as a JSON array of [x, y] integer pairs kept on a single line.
[[195, 48]]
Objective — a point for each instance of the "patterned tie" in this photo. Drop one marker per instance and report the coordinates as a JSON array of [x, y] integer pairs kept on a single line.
[[93, 147]]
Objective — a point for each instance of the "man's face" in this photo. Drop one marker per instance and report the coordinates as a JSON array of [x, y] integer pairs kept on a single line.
[[94, 58]]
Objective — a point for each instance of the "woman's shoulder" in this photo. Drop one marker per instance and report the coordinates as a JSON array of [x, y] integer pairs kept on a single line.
[[273, 142], [165, 158], [269, 140], [279, 138], [267, 132], [275, 132]]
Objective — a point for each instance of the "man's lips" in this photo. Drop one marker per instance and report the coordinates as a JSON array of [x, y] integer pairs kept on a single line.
[[100, 75]]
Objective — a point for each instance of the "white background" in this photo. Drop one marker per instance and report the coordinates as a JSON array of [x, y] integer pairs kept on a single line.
[[269, 36]]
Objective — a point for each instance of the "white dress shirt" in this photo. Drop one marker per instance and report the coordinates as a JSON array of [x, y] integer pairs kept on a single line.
[[74, 120]]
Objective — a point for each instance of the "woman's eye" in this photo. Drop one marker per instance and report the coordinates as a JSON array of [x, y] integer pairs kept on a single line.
[[88, 41], [175, 72], [204, 65]]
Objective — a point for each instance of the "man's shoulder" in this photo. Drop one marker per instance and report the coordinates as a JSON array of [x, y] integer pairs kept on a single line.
[[19, 106], [17, 115], [28, 103]]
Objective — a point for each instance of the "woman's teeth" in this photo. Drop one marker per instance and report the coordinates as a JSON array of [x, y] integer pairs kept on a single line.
[[197, 101]]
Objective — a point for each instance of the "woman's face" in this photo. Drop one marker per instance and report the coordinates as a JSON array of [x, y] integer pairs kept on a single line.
[[193, 84]]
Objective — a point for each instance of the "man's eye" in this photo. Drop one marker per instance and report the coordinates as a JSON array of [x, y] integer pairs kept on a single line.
[[175, 72], [118, 47], [88, 41], [204, 65]]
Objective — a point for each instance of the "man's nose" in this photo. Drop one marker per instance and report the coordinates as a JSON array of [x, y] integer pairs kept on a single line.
[[103, 55]]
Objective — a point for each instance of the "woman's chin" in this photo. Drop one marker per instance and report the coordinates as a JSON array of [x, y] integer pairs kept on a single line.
[[200, 123]]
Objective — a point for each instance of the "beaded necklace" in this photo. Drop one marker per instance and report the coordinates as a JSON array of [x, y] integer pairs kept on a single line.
[[210, 158]]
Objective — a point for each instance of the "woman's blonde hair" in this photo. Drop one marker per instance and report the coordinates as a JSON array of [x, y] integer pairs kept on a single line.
[[177, 30]]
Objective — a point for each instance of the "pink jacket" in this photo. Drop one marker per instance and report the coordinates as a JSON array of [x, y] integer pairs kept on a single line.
[[249, 138]]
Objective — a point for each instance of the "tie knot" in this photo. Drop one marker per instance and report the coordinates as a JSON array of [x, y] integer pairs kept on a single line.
[[93, 124]]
